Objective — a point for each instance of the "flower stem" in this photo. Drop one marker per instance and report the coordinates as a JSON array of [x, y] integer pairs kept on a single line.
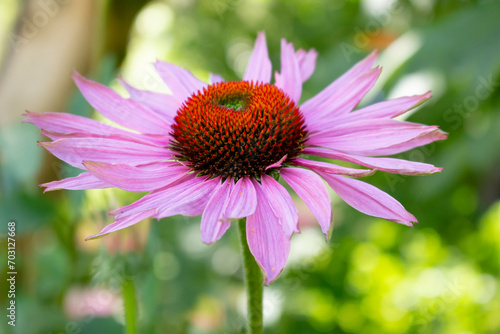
[[253, 278], [129, 304]]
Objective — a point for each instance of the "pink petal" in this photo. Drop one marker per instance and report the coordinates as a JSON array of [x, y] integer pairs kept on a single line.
[[259, 65], [224, 226], [137, 179], [83, 181], [360, 67], [192, 201], [181, 82], [307, 62], [313, 192], [215, 78], [338, 86], [266, 239], [59, 125], [76, 150], [212, 220], [386, 109], [120, 110], [329, 168], [146, 139], [368, 199], [277, 163], [389, 165], [281, 203], [278, 79], [289, 80], [319, 115], [243, 199], [188, 197], [366, 141], [164, 105], [68, 123], [366, 125], [159, 197], [123, 223], [396, 148]]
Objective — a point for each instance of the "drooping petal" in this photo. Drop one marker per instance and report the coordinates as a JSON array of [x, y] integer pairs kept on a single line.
[[259, 66], [83, 181], [224, 226], [289, 80], [330, 168], [163, 105], [313, 104], [76, 150], [159, 197], [187, 196], [123, 223], [137, 179], [118, 109], [152, 140], [322, 113], [309, 186], [180, 81], [68, 123], [192, 201], [212, 220], [369, 199], [266, 239], [281, 203], [389, 165], [57, 125], [307, 62], [243, 199]]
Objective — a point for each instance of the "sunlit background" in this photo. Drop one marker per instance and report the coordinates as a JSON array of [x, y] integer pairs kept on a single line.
[[442, 276]]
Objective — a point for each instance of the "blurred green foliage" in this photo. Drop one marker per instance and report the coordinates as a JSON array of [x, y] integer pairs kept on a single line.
[[373, 276]]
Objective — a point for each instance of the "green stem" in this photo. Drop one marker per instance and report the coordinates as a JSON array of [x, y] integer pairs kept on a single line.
[[129, 305], [253, 278]]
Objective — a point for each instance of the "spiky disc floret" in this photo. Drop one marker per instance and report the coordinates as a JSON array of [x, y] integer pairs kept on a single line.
[[237, 129]]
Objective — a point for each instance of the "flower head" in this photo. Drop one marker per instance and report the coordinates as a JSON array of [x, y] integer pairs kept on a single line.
[[217, 149], [237, 129]]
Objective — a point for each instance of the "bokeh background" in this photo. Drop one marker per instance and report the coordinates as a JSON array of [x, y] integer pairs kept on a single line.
[[442, 276]]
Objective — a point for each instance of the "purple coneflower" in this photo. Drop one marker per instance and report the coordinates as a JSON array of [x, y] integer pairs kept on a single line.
[[217, 149]]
